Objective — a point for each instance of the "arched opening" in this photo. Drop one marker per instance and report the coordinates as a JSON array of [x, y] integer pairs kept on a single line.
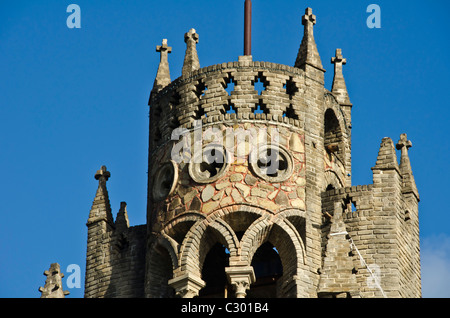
[[268, 269], [213, 273], [333, 137]]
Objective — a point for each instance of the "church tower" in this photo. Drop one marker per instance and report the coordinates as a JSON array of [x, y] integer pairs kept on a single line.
[[250, 194]]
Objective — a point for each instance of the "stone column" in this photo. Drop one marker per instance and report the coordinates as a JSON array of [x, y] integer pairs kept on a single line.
[[241, 278], [187, 285]]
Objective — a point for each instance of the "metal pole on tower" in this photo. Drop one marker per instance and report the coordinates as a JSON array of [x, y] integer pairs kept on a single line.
[[248, 28]]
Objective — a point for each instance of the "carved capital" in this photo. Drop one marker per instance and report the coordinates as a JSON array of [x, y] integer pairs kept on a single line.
[[187, 285], [241, 278]]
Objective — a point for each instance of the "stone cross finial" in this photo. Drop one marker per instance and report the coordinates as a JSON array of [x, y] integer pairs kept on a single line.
[[339, 88], [308, 54], [338, 59], [102, 174], [163, 75], [164, 48], [191, 34], [403, 143], [409, 184], [191, 62], [308, 17]]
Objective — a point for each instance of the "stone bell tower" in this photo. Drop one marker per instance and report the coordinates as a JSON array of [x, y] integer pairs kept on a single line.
[[250, 194]]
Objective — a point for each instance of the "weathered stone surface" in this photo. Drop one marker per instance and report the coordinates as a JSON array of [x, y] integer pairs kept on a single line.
[[250, 180], [208, 193], [222, 185], [236, 196], [196, 204], [236, 177], [298, 203], [282, 198], [226, 201], [245, 190], [269, 205], [240, 168], [259, 193], [272, 195], [209, 206], [176, 202], [218, 195], [295, 144], [190, 195]]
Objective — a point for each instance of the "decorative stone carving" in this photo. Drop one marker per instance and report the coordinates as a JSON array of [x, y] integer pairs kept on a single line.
[[165, 181], [209, 165], [272, 163], [187, 286], [241, 278]]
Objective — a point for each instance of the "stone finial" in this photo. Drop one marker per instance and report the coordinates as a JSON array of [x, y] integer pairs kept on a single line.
[[339, 88], [308, 53], [163, 75], [408, 181], [403, 143], [103, 174], [191, 62], [101, 209], [309, 17], [53, 283]]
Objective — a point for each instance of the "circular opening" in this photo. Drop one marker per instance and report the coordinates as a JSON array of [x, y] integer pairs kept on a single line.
[[210, 165], [272, 163], [165, 180]]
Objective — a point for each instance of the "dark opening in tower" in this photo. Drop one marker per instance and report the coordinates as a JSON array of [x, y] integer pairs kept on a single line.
[[333, 136], [268, 269], [213, 273]]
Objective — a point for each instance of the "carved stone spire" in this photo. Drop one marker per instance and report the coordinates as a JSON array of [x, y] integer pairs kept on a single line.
[[387, 158], [53, 284], [163, 75], [101, 208], [122, 222], [408, 183], [339, 88], [308, 54], [191, 62]]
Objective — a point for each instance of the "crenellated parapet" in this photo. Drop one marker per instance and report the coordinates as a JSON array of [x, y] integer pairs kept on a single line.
[[229, 91]]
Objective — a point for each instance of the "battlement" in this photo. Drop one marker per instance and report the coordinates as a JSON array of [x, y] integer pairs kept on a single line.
[[243, 90]]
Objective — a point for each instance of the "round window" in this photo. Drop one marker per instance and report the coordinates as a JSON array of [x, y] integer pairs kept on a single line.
[[271, 163], [165, 181], [209, 165]]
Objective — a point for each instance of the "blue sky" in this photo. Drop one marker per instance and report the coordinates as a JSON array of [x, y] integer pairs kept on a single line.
[[72, 100]]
